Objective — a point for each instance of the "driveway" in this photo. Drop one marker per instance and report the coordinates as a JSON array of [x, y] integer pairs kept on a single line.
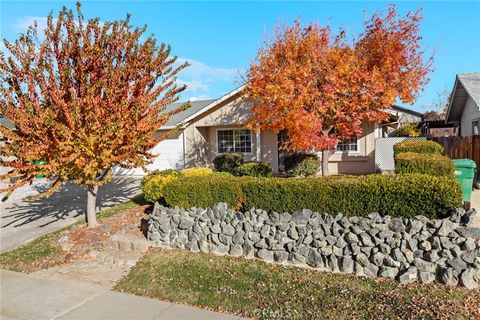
[[22, 220]]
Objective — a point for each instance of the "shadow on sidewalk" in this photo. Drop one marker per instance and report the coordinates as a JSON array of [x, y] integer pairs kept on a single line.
[[70, 201]]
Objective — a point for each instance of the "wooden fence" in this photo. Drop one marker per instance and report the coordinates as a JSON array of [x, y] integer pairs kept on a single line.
[[461, 147]]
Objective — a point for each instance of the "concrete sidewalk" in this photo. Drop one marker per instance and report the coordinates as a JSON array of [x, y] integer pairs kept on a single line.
[[25, 296], [475, 203]]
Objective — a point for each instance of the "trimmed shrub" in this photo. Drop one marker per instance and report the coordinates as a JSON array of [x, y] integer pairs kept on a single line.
[[197, 172], [205, 192], [433, 164], [228, 162], [301, 164], [222, 174], [255, 169], [407, 130], [395, 195], [418, 146], [154, 183]]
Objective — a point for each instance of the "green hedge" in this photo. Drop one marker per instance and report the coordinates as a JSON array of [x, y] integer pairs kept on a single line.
[[204, 192], [418, 146], [395, 195], [228, 162], [255, 169], [433, 164], [301, 164]]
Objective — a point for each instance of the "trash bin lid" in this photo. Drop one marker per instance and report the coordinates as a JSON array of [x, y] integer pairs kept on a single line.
[[464, 163]]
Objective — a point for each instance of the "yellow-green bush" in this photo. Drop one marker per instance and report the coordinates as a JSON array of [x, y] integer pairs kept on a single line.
[[433, 164], [197, 172], [418, 146], [154, 183]]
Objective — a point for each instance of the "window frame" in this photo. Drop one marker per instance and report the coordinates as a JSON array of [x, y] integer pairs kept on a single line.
[[357, 142], [233, 131], [478, 127]]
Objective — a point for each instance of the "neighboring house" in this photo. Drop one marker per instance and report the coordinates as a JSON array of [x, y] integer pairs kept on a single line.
[[464, 107], [438, 128], [213, 127], [401, 116], [9, 125]]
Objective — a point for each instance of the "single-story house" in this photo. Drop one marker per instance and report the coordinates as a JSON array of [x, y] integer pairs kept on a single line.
[[464, 105], [438, 128], [212, 127]]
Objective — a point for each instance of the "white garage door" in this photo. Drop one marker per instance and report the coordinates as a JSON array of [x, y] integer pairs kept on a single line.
[[169, 155]]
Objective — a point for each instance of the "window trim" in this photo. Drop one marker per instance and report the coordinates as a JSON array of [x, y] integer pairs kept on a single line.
[[233, 129], [478, 125], [358, 151]]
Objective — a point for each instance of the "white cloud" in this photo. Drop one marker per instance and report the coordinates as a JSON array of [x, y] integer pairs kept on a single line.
[[200, 97], [198, 69], [195, 85], [21, 24], [204, 81]]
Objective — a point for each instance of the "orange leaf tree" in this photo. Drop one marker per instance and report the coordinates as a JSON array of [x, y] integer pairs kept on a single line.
[[84, 98], [321, 88]]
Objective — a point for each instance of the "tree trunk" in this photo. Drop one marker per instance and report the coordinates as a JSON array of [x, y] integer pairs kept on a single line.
[[325, 157], [91, 215]]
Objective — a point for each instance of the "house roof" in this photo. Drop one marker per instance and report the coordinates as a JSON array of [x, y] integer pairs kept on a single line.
[[466, 85], [7, 123], [180, 117], [409, 111]]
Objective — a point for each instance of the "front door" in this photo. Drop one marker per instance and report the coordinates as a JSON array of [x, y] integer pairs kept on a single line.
[[282, 138]]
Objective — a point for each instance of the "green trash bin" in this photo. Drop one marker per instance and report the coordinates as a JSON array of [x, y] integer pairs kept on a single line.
[[39, 162], [465, 170]]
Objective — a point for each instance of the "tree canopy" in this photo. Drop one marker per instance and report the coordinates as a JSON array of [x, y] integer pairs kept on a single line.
[[321, 87]]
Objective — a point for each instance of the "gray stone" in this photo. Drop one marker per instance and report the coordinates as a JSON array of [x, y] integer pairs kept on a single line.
[[223, 249], [314, 258], [469, 257], [216, 228], [228, 230], [432, 256], [446, 243], [238, 237], [378, 258], [385, 234], [186, 223], [398, 255], [396, 225], [362, 259], [415, 226], [370, 270], [292, 233], [236, 250], [280, 256], [447, 276], [285, 217], [262, 244], [331, 239], [424, 266], [390, 262], [265, 255], [388, 272], [467, 279], [204, 246], [351, 237], [469, 244], [301, 217], [346, 264], [457, 263], [254, 236], [426, 277], [408, 276], [468, 232], [447, 227], [425, 245], [366, 240]]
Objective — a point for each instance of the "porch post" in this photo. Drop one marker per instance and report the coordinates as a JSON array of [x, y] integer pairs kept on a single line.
[[258, 144]]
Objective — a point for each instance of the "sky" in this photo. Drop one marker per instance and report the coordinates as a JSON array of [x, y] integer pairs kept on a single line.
[[221, 38]]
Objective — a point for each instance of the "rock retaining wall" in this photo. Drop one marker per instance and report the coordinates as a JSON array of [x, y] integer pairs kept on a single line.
[[407, 250]]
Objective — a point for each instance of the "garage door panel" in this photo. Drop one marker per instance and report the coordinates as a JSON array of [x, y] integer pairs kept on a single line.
[[169, 155]]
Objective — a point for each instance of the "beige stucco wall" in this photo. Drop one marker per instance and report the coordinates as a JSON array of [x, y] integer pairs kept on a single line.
[[470, 112], [201, 141]]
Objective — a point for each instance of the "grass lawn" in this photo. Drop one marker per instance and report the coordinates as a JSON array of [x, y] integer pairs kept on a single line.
[[255, 289], [45, 252]]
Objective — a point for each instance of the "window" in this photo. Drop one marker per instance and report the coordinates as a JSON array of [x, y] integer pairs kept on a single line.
[[234, 141], [350, 144], [475, 127]]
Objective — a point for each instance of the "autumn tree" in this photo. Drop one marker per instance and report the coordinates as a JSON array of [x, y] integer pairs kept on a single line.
[[85, 97], [320, 87]]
